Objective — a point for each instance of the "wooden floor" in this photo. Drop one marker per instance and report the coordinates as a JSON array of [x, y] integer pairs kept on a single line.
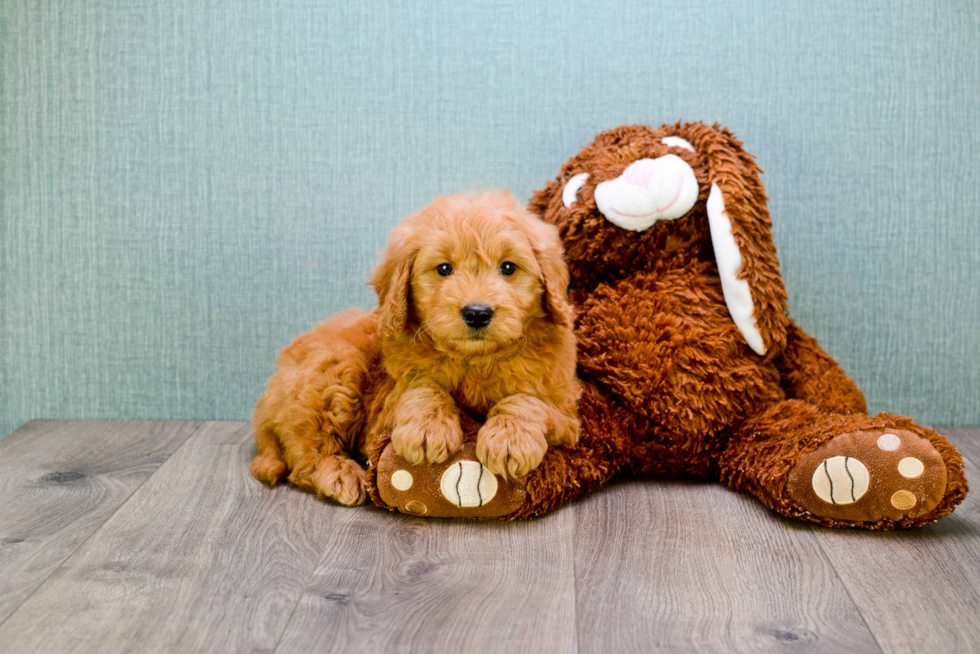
[[151, 536]]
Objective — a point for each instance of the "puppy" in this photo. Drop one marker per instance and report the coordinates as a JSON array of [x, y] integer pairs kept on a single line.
[[473, 315]]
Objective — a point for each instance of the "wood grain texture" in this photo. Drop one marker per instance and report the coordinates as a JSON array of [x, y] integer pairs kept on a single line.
[[60, 481], [918, 590], [683, 566], [202, 558], [391, 582]]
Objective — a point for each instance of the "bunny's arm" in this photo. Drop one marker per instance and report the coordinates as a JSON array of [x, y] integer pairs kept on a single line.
[[812, 375]]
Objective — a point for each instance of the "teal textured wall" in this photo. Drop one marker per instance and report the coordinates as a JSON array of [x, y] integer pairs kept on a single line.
[[187, 184]]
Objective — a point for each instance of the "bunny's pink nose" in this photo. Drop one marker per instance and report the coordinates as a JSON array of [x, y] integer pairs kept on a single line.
[[640, 172]]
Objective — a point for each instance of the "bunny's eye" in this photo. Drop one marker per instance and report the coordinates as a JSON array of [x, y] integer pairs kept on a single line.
[[570, 193]]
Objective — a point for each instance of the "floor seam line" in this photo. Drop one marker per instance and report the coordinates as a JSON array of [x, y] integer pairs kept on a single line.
[[843, 583], [299, 598]]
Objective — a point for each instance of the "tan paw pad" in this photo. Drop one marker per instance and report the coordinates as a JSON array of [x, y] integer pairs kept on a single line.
[[910, 467], [903, 500], [840, 480], [889, 442], [401, 480], [468, 484]]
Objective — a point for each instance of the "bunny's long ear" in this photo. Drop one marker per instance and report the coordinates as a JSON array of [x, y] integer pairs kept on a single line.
[[741, 233]]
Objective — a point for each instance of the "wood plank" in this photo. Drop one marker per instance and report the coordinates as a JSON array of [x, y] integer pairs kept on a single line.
[[201, 558], [678, 566], [919, 589], [60, 481], [391, 582]]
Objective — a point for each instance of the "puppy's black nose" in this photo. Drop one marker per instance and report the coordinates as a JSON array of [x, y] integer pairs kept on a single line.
[[477, 315]]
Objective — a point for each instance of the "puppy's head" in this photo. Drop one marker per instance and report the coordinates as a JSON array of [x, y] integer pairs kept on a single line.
[[471, 273]]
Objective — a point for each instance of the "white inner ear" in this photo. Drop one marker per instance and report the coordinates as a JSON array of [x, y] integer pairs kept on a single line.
[[738, 296], [677, 142], [569, 194]]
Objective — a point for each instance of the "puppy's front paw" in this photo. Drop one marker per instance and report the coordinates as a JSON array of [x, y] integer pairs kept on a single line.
[[567, 432], [427, 438], [509, 447]]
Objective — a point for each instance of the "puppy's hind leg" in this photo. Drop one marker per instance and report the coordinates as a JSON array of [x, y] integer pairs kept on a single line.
[[310, 421], [269, 465], [324, 424], [339, 478]]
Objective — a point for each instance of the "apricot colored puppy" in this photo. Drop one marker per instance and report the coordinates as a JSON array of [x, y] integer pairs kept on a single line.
[[472, 315]]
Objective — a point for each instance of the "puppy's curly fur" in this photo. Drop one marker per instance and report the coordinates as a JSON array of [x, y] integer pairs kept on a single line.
[[325, 406]]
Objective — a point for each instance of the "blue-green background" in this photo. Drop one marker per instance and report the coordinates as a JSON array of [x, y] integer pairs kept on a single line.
[[187, 184]]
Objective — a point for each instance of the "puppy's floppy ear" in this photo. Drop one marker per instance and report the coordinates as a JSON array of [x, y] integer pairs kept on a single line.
[[554, 273], [392, 280], [741, 233]]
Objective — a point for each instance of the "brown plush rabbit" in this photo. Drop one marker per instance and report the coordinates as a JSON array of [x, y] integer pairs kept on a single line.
[[689, 362]]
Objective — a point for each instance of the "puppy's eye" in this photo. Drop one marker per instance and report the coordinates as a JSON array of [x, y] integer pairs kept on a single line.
[[569, 194], [508, 268], [444, 269]]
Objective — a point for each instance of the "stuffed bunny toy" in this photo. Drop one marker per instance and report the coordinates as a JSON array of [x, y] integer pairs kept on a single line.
[[689, 361]]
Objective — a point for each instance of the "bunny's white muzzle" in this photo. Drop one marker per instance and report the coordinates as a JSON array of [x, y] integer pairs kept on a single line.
[[649, 190]]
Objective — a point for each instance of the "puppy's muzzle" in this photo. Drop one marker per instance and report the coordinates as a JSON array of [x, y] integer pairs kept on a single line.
[[477, 316]]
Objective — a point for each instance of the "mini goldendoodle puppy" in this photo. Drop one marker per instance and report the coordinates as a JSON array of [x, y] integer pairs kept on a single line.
[[472, 315]]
